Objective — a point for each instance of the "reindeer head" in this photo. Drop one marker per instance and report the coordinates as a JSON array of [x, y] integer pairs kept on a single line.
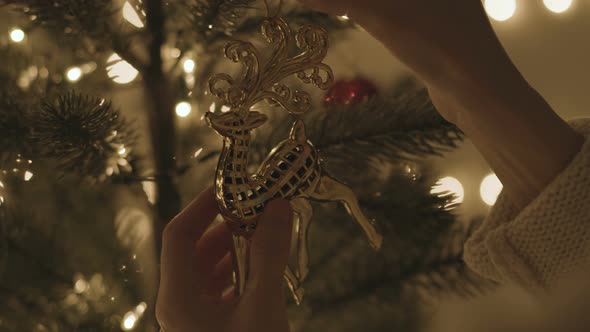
[[262, 80], [231, 124]]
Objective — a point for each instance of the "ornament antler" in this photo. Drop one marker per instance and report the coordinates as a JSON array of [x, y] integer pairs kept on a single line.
[[263, 81]]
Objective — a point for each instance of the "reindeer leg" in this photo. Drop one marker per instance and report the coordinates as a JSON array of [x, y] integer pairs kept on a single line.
[[330, 190], [294, 285], [240, 261], [304, 211]]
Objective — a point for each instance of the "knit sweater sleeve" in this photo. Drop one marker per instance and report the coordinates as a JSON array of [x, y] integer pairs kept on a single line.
[[546, 240]]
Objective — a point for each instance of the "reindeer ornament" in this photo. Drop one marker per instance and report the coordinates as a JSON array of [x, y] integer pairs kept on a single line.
[[292, 170]]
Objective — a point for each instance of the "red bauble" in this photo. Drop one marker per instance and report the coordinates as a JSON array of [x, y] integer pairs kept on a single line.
[[350, 92]]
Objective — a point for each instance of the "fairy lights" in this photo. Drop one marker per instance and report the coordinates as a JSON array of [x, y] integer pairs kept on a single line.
[[119, 70], [447, 185], [490, 189], [557, 6], [131, 16], [183, 109], [500, 10], [17, 35]]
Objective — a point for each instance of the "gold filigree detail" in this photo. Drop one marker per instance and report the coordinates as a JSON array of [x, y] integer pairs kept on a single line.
[[261, 80]]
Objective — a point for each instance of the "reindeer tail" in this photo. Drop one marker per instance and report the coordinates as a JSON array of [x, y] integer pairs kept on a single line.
[[298, 132]]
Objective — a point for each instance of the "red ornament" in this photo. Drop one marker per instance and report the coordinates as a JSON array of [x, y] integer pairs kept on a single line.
[[350, 92]]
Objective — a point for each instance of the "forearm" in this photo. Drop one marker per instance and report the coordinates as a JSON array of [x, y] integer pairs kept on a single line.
[[516, 131]]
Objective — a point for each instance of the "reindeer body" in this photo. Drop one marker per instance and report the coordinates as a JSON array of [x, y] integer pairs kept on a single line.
[[288, 172], [292, 170]]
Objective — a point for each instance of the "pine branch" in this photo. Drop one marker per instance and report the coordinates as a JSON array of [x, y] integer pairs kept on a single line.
[[85, 25], [85, 135], [386, 129], [212, 19]]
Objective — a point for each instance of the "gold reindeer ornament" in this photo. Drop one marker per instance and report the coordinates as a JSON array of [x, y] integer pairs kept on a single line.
[[292, 170]]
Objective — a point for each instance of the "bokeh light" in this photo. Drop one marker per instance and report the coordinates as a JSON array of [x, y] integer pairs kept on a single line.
[[129, 320], [17, 35], [447, 185], [558, 6], [120, 71], [183, 109], [500, 10], [74, 74], [188, 66], [131, 16], [490, 189]]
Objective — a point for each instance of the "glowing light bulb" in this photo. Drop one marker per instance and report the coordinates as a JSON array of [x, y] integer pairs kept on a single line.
[[188, 66], [449, 185], [557, 6], [81, 286], [129, 320], [131, 16], [122, 151], [140, 309], [119, 70], [183, 109], [490, 189], [28, 175], [74, 74], [344, 17], [17, 35], [500, 10]]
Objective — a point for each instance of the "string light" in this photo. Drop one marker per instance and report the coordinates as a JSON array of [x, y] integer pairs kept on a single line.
[[28, 175], [490, 189], [131, 317], [131, 16], [74, 74], [500, 10], [447, 185], [188, 66], [129, 320], [17, 35], [558, 6], [183, 109], [119, 70]]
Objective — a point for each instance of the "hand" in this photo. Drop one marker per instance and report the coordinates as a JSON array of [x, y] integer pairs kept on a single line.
[[196, 268]]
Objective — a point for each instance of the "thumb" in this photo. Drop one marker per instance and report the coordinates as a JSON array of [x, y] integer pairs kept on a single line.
[[271, 243]]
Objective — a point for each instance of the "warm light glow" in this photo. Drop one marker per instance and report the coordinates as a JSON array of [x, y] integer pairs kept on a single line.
[[120, 71], [130, 15], [225, 109], [28, 175], [129, 321], [557, 6], [140, 309], [197, 153], [188, 66], [81, 286], [74, 74], [490, 189], [500, 10], [183, 109], [122, 151], [344, 17], [449, 185], [17, 35]]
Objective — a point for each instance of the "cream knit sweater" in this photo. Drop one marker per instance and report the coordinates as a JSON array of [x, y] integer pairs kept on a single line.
[[548, 240]]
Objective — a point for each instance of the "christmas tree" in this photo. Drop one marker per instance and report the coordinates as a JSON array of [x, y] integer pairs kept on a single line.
[[103, 140]]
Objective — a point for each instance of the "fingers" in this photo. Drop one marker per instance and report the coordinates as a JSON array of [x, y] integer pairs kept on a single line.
[[269, 252], [212, 247], [222, 276], [178, 267]]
